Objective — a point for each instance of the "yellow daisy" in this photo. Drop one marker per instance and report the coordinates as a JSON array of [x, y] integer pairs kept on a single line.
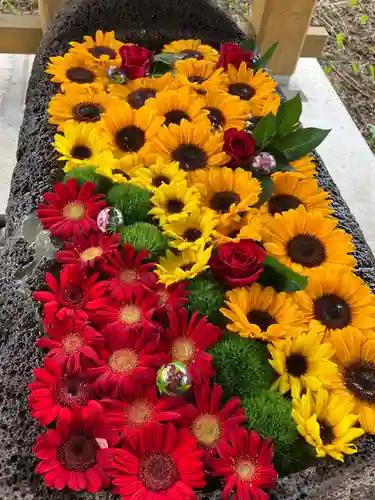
[[174, 201], [157, 174], [305, 241], [225, 111], [249, 84], [258, 312], [303, 362], [129, 131], [192, 232], [291, 191], [305, 166], [193, 145], [121, 171], [327, 422], [192, 49], [137, 92], [200, 75], [227, 192], [265, 105], [248, 227], [184, 266], [335, 299], [104, 48]]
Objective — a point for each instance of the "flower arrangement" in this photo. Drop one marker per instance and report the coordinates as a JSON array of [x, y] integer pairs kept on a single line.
[[206, 321]]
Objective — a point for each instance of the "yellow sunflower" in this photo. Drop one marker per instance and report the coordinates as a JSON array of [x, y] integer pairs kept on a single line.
[[200, 76], [159, 173], [258, 312], [79, 105], [192, 49], [249, 84], [248, 227], [227, 192], [225, 111], [335, 299], [192, 232], [291, 191], [104, 48], [305, 166], [193, 145], [121, 171], [184, 266], [129, 131], [262, 106], [137, 92], [305, 241], [174, 201], [303, 362], [327, 422]]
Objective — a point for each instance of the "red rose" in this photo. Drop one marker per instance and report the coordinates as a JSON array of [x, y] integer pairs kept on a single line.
[[239, 145], [231, 53], [238, 264], [136, 61]]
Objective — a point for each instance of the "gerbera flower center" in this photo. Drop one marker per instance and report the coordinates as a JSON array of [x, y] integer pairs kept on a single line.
[[163, 297], [183, 350], [123, 361], [261, 318], [72, 343], [73, 295], [87, 112], [138, 98], [81, 152], [195, 54], [216, 117], [71, 391], [196, 79], [91, 253], [130, 139], [101, 50], [74, 211], [128, 276], [139, 413], [130, 314], [242, 90], [332, 311], [326, 432], [78, 453], [245, 469], [207, 429], [158, 180], [306, 250], [190, 157], [360, 380], [283, 202], [80, 75], [175, 206], [158, 471], [296, 365], [175, 116], [222, 201], [192, 234]]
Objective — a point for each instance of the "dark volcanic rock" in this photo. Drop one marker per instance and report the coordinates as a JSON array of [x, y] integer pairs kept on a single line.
[[151, 23]]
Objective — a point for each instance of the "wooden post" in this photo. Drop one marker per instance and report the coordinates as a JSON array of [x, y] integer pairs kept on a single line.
[[19, 34], [47, 10], [285, 21]]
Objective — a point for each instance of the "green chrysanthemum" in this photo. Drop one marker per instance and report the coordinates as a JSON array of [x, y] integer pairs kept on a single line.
[[143, 235], [133, 201], [83, 174], [206, 296]]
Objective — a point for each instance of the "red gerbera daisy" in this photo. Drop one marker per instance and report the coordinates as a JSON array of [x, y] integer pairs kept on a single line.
[[128, 272], [161, 462], [87, 251], [75, 455], [188, 341], [54, 394], [209, 423], [246, 464], [72, 343], [70, 210], [128, 360]]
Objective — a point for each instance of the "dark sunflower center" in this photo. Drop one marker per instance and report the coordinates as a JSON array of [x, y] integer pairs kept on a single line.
[[130, 139], [196, 79], [73, 295], [282, 203], [296, 365], [189, 53], [360, 380], [190, 157], [261, 318], [157, 471], [242, 90], [233, 234], [138, 98], [306, 250], [222, 201], [118, 171], [87, 113], [192, 234], [80, 75], [175, 116], [332, 311], [78, 453], [175, 206], [101, 50], [159, 180], [187, 267], [326, 432], [71, 391], [81, 152], [216, 117]]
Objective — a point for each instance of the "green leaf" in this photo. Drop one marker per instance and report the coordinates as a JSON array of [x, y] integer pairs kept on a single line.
[[263, 61], [248, 45], [160, 68], [267, 189], [282, 164], [281, 277], [300, 143], [169, 58], [265, 131], [288, 116]]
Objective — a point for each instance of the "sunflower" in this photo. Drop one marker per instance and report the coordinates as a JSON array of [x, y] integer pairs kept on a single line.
[[261, 313], [174, 202], [227, 192], [192, 49], [305, 166], [137, 92], [303, 362], [291, 191], [157, 174], [184, 266], [79, 105], [260, 107], [103, 49], [249, 84], [193, 145], [248, 227], [225, 111], [200, 75], [121, 171], [305, 241], [130, 131], [335, 299], [327, 422], [193, 231]]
